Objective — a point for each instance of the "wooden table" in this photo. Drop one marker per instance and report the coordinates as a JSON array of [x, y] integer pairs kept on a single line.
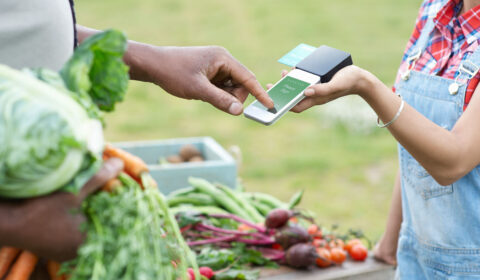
[[369, 269]]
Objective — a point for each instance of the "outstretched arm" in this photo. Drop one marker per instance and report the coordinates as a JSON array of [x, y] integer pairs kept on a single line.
[[210, 73], [446, 155]]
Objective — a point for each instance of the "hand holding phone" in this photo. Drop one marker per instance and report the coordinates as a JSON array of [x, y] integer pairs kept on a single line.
[[318, 67], [285, 94]]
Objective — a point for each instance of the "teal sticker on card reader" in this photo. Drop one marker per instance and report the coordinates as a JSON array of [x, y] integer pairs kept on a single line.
[[297, 54]]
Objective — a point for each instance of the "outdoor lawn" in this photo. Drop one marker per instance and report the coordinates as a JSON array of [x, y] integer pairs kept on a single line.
[[346, 165]]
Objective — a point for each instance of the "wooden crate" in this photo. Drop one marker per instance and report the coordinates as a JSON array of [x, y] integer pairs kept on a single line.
[[219, 166]]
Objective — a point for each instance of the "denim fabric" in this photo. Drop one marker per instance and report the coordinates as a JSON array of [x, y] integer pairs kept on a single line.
[[440, 235]]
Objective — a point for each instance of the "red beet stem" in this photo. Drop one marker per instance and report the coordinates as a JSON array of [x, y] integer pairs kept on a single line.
[[240, 220], [212, 240]]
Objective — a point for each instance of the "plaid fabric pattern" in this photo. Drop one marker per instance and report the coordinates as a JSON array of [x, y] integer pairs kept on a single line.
[[452, 40]]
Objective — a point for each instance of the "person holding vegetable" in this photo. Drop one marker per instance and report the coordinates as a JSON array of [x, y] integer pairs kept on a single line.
[[433, 113], [43, 34]]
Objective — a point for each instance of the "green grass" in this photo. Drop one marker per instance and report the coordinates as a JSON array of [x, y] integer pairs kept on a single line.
[[348, 178]]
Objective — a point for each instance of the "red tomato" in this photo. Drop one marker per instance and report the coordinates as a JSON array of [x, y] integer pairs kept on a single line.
[[320, 243], [324, 257], [348, 246], [294, 220], [277, 246], [312, 229], [336, 243], [358, 252], [319, 234], [338, 255]]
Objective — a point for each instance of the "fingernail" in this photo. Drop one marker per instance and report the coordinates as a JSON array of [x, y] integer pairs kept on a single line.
[[309, 91], [235, 109]]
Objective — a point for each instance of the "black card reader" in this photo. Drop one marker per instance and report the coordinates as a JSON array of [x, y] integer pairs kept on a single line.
[[324, 62]]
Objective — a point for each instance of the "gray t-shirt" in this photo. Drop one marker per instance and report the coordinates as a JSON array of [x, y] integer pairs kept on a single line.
[[35, 33]]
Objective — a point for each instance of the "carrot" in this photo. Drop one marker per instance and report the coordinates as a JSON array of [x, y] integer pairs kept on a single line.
[[133, 165], [111, 185], [7, 256], [23, 267], [53, 268]]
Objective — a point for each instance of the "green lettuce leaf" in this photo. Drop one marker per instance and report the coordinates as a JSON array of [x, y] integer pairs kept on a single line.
[[97, 69]]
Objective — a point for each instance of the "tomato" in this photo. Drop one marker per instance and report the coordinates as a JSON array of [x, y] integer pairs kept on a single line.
[[338, 255], [312, 229], [319, 234], [336, 243], [320, 243], [324, 257], [293, 220], [358, 252], [350, 244], [277, 246]]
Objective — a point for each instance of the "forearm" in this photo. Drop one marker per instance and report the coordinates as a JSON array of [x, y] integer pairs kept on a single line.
[[441, 152], [9, 223]]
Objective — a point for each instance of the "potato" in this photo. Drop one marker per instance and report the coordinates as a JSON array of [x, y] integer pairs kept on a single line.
[[189, 151], [196, 159], [174, 159]]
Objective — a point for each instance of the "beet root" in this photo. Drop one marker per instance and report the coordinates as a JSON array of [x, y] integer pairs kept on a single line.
[[277, 218], [291, 235], [301, 255]]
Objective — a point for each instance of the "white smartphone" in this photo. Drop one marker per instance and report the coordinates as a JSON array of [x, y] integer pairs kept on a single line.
[[286, 93]]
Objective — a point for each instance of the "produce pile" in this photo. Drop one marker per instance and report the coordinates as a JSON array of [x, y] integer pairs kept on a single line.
[[51, 139], [232, 231]]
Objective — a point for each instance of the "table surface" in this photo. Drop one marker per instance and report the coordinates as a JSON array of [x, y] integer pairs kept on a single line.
[[369, 269]]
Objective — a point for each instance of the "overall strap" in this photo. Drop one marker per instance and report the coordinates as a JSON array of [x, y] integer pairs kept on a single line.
[[416, 51]]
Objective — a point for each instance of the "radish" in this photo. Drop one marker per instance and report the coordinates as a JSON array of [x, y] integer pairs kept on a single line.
[[206, 271], [301, 255], [277, 218]]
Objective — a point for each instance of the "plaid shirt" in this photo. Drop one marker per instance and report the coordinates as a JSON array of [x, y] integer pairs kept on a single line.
[[452, 40]]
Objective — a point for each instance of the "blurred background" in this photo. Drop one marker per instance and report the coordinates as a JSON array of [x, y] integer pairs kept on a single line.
[[334, 152]]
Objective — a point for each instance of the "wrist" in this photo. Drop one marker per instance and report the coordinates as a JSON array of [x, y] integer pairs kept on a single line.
[[366, 84]]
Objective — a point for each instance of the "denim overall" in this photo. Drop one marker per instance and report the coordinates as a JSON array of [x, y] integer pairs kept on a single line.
[[440, 233]]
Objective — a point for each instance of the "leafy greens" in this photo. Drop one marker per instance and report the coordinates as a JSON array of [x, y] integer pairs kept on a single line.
[[50, 131]]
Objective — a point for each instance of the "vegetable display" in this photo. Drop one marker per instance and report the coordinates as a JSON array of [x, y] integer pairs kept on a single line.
[[221, 228], [50, 130]]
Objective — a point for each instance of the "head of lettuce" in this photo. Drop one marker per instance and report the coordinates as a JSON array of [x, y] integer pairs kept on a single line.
[[50, 123]]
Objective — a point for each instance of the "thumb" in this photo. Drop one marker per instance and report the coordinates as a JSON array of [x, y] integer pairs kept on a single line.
[[221, 99], [110, 169]]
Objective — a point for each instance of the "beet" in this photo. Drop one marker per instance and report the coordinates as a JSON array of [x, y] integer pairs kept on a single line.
[[291, 235], [277, 218], [301, 255]]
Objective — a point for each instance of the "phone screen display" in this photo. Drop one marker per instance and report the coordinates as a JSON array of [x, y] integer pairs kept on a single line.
[[283, 92]]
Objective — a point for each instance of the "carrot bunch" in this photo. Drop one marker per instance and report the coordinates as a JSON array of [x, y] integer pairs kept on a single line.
[[24, 262]]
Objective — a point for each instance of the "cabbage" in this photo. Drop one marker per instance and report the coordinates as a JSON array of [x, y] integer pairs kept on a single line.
[[50, 123]]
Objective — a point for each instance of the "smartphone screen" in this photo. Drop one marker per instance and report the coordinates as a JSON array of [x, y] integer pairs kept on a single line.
[[283, 92]]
